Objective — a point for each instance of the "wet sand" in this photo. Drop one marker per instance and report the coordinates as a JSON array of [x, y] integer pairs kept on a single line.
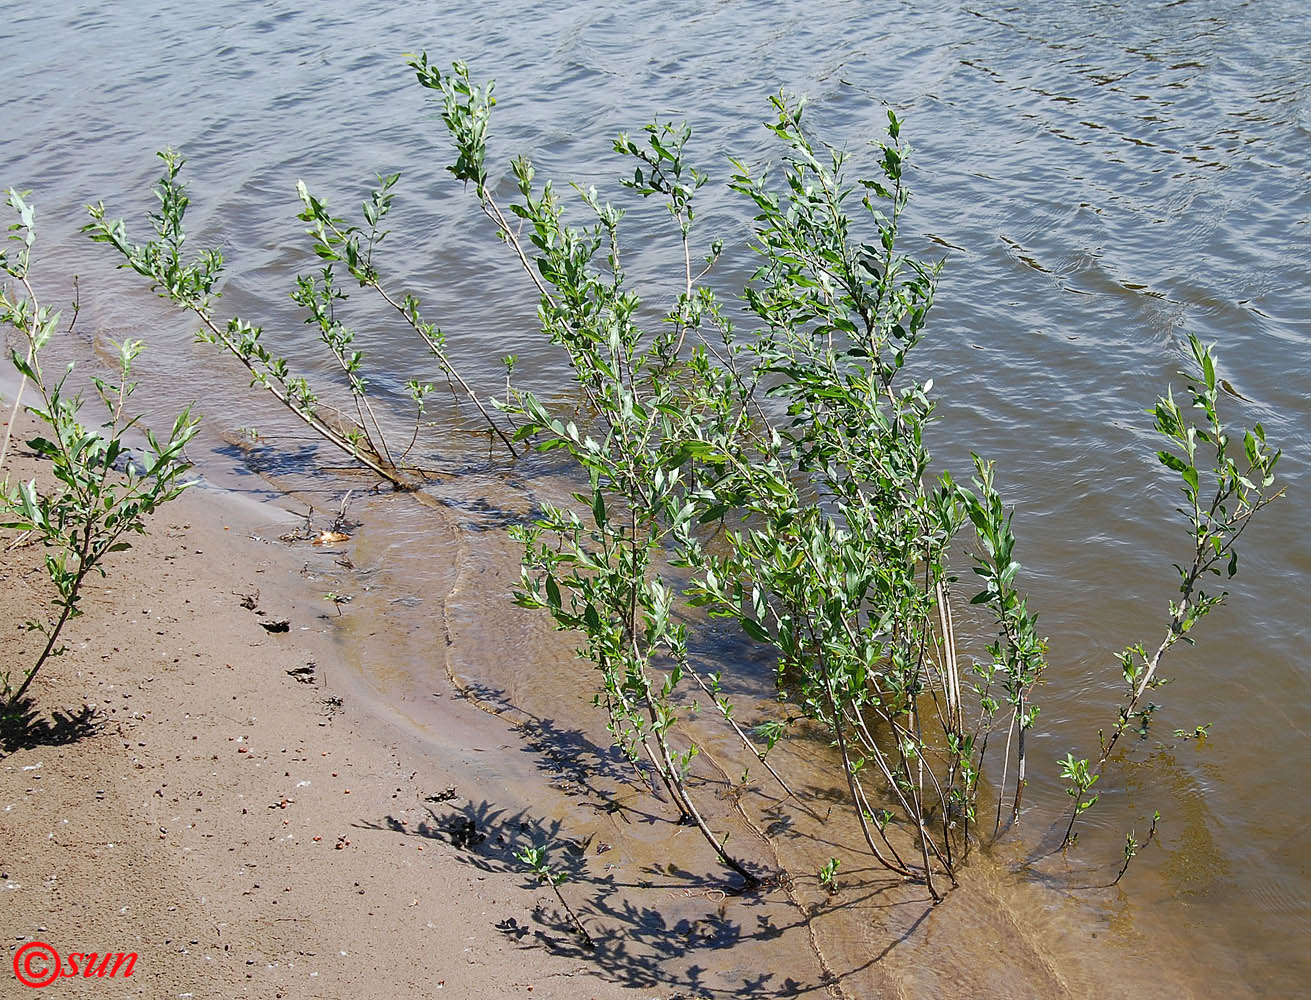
[[332, 811]]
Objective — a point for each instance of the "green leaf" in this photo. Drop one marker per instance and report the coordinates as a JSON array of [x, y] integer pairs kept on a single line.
[[1172, 461], [713, 513], [754, 629], [1190, 477], [23, 367], [43, 446]]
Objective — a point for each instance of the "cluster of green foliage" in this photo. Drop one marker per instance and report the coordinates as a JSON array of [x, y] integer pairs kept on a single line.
[[763, 461], [100, 493]]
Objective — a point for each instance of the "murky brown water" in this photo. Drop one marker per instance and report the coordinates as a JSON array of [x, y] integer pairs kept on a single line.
[[1103, 178]]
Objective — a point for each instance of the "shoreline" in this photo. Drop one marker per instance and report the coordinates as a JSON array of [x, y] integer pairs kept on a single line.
[[227, 806], [326, 812]]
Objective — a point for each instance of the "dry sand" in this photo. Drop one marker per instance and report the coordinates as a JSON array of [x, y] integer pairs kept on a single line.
[[190, 789]]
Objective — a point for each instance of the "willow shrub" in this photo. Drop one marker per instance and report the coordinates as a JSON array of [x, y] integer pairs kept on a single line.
[[100, 494], [773, 473]]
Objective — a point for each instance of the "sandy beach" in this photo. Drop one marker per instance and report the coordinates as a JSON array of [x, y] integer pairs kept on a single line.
[[203, 792]]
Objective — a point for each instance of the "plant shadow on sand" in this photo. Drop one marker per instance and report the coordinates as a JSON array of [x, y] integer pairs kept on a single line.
[[661, 926], [632, 943], [23, 727]]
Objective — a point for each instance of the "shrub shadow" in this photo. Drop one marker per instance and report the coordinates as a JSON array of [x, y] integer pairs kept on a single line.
[[573, 763], [22, 727], [632, 943]]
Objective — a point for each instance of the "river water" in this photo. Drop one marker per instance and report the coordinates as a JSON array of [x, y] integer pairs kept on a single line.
[[1103, 179]]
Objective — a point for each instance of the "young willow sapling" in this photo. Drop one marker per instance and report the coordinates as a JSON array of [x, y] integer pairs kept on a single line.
[[101, 492]]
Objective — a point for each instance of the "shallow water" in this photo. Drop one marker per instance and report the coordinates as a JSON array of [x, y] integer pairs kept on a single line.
[[1103, 179]]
